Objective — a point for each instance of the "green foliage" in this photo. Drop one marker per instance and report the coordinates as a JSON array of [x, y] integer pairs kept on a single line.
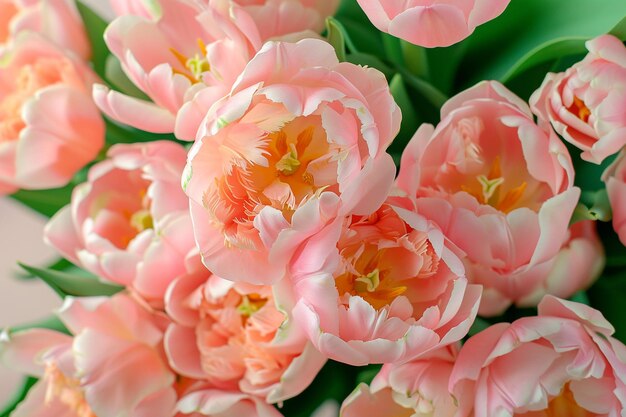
[[335, 34], [500, 44], [335, 381], [531, 38], [409, 123], [65, 284], [608, 295], [45, 202], [95, 27], [19, 396], [593, 206], [115, 75]]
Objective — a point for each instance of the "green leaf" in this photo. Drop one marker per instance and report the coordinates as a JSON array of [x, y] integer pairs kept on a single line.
[[367, 375], [95, 27], [60, 264], [51, 323], [416, 59], [19, 396], [446, 61], [427, 90], [478, 326], [580, 297], [594, 205], [335, 35], [409, 122], [614, 249], [620, 30], [608, 295], [588, 175], [549, 51], [46, 202], [117, 133], [335, 381], [65, 284], [526, 24], [352, 10], [116, 76], [392, 49]]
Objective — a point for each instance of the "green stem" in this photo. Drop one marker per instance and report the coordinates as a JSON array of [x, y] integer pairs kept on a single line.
[[415, 59]]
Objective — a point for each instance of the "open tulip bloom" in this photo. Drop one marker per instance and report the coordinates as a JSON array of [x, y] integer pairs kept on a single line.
[[318, 208]]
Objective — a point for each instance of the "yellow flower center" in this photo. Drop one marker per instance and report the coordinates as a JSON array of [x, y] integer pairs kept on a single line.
[[142, 220], [289, 163], [366, 278], [66, 390], [193, 67], [580, 110], [564, 405], [250, 304], [488, 189]]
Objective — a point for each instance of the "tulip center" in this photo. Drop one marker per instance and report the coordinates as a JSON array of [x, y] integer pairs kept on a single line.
[[193, 66], [382, 258], [282, 170], [250, 304], [66, 390], [289, 177], [489, 189], [580, 110], [234, 336], [142, 220], [120, 216], [562, 405], [365, 278], [30, 78]]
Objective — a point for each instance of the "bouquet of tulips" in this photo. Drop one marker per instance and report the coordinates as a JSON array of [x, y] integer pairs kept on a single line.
[[300, 208]]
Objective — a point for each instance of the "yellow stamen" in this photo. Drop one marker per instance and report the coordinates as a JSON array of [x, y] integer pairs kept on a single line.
[[194, 66], [289, 163], [142, 220], [580, 109], [369, 282], [250, 304], [489, 187]]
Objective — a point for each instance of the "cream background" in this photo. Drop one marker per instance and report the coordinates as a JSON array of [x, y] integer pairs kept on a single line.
[[21, 301], [21, 239]]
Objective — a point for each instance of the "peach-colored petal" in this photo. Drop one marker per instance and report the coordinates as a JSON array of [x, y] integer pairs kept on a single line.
[[584, 104], [487, 173], [566, 355]]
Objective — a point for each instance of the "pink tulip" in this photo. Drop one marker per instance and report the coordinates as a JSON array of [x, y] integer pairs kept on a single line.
[[56, 20], [563, 362], [232, 335], [577, 265], [615, 179], [178, 61], [129, 224], [501, 189], [300, 138], [145, 8], [112, 366], [585, 104], [380, 288], [49, 127], [431, 23], [418, 388], [278, 18]]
